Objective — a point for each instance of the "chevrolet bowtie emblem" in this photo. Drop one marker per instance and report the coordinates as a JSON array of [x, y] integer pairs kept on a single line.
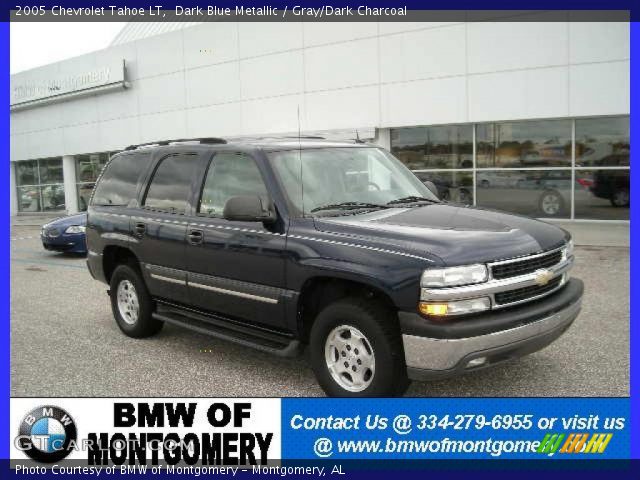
[[543, 277]]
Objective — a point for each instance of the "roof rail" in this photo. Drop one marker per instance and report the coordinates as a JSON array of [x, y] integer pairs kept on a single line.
[[204, 140]]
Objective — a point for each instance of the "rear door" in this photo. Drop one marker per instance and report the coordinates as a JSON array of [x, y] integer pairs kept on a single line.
[[235, 268], [161, 225]]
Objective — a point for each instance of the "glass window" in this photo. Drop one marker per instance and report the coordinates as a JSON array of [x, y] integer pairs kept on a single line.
[[119, 182], [452, 186], [545, 143], [29, 199], [27, 173], [602, 194], [229, 175], [537, 193], [338, 175], [40, 185], [602, 142], [88, 167], [170, 187], [52, 197], [50, 170], [84, 194], [449, 146]]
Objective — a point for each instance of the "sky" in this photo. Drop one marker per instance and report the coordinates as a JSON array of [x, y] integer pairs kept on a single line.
[[40, 43]]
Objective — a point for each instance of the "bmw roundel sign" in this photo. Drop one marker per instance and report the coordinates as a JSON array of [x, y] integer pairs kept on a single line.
[[47, 434]]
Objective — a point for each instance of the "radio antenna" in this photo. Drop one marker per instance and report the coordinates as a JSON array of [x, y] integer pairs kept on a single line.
[[300, 158]]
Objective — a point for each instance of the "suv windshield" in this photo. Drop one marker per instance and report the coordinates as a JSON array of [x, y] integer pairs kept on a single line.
[[346, 178]]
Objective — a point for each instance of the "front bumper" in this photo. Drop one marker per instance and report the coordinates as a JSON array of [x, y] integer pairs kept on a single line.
[[70, 243], [447, 349]]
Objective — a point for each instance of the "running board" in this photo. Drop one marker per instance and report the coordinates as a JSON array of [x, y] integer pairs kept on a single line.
[[247, 336]]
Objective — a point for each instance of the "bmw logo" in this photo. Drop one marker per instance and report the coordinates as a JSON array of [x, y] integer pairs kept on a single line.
[[47, 434]]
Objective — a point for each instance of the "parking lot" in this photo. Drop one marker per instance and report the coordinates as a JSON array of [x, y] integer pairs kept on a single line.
[[66, 343]]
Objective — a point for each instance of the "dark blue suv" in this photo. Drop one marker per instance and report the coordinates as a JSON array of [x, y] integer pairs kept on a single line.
[[284, 244]]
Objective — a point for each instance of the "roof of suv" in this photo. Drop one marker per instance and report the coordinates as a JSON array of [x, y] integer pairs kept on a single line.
[[263, 143]]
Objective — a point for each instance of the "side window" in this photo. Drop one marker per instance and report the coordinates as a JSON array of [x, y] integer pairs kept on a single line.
[[170, 187], [117, 185], [229, 174]]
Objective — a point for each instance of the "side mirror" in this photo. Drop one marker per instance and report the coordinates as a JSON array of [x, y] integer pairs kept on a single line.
[[432, 187], [248, 208]]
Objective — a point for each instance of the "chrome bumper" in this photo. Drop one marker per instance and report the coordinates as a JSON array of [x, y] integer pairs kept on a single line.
[[451, 355]]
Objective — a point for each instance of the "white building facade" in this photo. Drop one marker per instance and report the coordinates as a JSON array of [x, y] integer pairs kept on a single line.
[[530, 117]]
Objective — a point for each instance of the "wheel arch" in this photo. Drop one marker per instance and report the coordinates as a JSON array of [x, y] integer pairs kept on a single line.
[[320, 291], [114, 255]]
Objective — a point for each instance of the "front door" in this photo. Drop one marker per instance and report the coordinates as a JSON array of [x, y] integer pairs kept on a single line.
[[235, 268]]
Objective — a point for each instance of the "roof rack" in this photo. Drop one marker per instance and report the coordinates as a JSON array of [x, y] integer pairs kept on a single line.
[[204, 140]]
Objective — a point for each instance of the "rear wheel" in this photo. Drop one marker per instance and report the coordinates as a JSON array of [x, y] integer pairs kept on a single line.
[[620, 198], [131, 303], [356, 350]]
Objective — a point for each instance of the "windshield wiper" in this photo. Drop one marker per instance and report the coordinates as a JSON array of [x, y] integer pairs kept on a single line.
[[412, 199], [348, 205]]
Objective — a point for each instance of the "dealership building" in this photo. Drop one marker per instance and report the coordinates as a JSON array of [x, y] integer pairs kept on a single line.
[[530, 117]]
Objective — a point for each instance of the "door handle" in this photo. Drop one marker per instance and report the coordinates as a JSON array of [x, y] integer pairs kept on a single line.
[[139, 229], [195, 237]]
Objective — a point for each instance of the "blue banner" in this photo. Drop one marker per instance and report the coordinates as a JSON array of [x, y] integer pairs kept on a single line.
[[475, 428]]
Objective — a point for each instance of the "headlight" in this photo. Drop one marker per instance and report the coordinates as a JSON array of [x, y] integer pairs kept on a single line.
[[75, 229], [567, 252], [454, 276], [455, 307]]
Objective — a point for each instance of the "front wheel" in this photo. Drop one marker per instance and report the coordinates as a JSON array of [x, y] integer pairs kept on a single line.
[[131, 303], [551, 203], [356, 350]]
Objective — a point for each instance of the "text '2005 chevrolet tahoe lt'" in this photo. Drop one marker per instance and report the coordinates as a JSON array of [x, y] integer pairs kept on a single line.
[[285, 244]]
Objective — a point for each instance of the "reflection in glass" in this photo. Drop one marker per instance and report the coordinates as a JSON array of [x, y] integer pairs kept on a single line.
[[88, 167], [28, 199], [537, 193], [84, 194], [27, 173], [449, 146], [50, 170], [454, 187], [602, 142], [544, 143], [602, 194], [52, 197]]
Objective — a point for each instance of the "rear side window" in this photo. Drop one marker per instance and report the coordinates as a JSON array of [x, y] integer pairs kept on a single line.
[[229, 174], [170, 187], [117, 185]]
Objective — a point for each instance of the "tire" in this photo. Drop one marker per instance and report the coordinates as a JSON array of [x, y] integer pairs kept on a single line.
[[127, 282], [551, 203], [331, 335], [620, 198]]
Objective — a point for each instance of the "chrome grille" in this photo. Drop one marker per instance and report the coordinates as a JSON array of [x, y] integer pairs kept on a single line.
[[527, 265], [526, 293]]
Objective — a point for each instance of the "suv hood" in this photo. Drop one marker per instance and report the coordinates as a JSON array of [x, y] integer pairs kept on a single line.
[[457, 234]]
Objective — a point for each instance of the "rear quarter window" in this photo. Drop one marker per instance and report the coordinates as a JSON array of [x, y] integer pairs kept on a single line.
[[119, 181]]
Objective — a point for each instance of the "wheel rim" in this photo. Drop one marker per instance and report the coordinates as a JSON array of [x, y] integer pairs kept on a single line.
[[551, 204], [350, 358], [621, 198], [128, 304]]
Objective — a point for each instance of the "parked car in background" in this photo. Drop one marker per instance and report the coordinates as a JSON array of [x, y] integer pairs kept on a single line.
[[66, 234], [612, 185]]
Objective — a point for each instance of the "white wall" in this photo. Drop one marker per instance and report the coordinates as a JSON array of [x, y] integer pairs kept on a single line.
[[251, 78]]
